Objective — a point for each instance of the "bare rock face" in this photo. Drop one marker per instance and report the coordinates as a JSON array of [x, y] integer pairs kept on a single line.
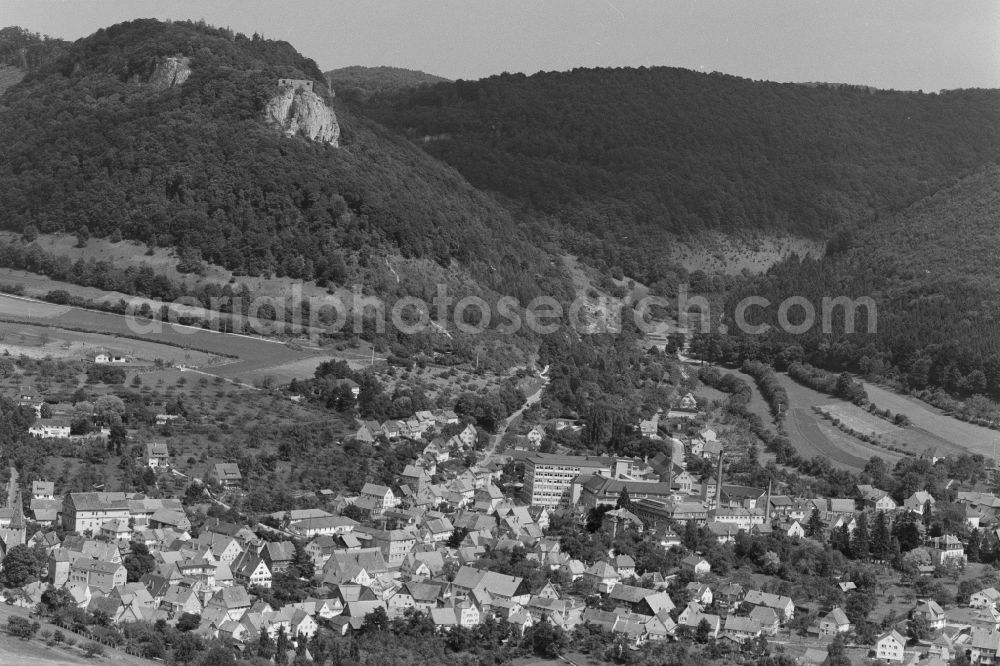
[[170, 72], [297, 111]]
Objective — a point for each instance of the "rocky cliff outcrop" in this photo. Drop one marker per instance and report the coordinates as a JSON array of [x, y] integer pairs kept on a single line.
[[297, 111], [170, 72]]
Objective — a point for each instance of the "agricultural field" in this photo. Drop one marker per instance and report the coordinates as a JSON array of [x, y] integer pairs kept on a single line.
[[42, 341], [913, 440], [916, 441], [221, 354], [859, 420], [811, 436], [967, 436], [809, 433]]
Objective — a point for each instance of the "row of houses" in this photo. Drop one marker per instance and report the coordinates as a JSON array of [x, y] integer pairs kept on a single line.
[[416, 426]]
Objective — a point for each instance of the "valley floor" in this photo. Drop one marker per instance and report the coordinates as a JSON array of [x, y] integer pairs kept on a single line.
[[930, 433]]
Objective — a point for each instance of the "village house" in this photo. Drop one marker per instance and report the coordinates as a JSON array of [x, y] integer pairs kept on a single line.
[[947, 549], [498, 586], [984, 646], [106, 358], [278, 555], [536, 435], [249, 570], [50, 428], [984, 598], [699, 592], [890, 646], [322, 525], [382, 496], [83, 512], [929, 610], [603, 576], [228, 474], [98, 574], [741, 629], [767, 619], [833, 623], [641, 600], [468, 436], [44, 490], [157, 455], [699, 566], [782, 605], [875, 499], [918, 501]]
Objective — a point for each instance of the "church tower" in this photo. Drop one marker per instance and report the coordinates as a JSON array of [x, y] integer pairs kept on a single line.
[[15, 533]]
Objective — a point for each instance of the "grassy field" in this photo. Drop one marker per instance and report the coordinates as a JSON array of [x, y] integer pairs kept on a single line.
[[812, 437], [809, 434], [711, 394], [41, 341], [816, 436], [857, 419], [36, 653], [917, 441], [968, 436], [252, 356]]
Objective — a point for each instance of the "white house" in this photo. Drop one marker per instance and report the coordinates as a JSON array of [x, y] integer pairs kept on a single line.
[[699, 566], [105, 358], [984, 598], [157, 454], [890, 646], [917, 501], [834, 622], [49, 428]]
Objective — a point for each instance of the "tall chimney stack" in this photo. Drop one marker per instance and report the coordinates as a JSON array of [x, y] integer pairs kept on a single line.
[[767, 507], [718, 484]]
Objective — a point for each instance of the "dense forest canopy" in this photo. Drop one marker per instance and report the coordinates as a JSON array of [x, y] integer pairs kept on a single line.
[[931, 270], [87, 143], [28, 50], [360, 83], [614, 165], [622, 157]]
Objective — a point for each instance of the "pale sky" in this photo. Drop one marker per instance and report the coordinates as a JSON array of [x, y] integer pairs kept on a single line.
[[901, 44]]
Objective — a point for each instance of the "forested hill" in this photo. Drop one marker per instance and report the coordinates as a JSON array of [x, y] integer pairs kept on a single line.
[[628, 157], [360, 83], [932, 269], [21, 51], [28, 50], [90, 140]]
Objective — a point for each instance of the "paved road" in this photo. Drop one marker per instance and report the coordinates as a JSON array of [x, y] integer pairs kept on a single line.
[[502, 430], [12, 486]]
